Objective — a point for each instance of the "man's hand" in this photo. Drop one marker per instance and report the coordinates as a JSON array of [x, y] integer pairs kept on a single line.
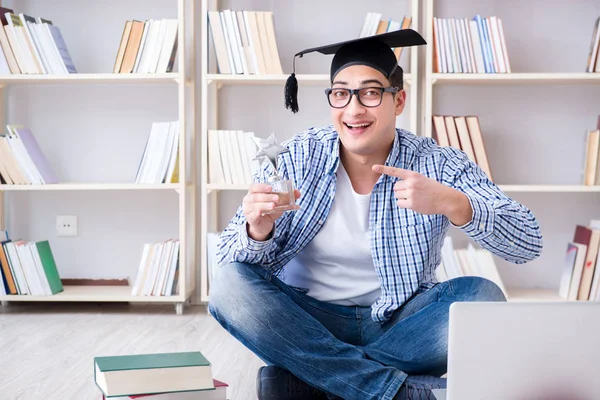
[[260, 198], [427, 196]]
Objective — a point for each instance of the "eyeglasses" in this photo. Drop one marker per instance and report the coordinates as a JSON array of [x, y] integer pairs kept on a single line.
[[368, 97]]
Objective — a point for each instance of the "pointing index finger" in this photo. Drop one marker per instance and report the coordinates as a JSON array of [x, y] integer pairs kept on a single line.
[[391, 171]]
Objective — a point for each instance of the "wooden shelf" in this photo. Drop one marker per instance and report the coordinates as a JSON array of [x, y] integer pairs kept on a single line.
[[90, 186], [87, 78], [95, 293], [522, 295], [518, 78], [306, 79]]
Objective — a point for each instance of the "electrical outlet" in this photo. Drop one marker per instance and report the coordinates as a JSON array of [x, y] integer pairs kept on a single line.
[[66, 225]]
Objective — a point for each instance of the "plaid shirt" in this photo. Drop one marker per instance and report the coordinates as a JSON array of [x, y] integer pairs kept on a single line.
[[405, 245]]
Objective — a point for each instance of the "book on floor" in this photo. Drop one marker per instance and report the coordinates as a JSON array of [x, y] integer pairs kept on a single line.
[[221, 392], [136, 374]]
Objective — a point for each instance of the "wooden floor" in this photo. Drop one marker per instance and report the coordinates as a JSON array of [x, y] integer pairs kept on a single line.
[[47, 350]]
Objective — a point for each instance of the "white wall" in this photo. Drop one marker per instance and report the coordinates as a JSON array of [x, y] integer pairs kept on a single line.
[[535, 134]]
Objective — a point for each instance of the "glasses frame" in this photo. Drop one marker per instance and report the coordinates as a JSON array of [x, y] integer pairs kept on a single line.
[[391, 89]]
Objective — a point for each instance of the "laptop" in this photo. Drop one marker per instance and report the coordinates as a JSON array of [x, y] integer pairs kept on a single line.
[[523, 351]]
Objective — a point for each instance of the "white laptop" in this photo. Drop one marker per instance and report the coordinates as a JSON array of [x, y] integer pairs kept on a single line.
[[523, 351]]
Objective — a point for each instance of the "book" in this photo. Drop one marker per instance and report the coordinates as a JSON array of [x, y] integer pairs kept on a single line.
[[221, 392], [137, 374]]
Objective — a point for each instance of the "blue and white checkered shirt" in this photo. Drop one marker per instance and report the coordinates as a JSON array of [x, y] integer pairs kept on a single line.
[[405, 245]]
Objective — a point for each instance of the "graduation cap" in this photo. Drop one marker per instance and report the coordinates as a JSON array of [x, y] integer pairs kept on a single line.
[[373, 51]]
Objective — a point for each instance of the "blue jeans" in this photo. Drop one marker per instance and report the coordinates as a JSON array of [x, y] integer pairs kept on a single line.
[[340, 349]]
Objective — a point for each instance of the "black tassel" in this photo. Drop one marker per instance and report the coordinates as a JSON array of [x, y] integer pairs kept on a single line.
[[291, 93]]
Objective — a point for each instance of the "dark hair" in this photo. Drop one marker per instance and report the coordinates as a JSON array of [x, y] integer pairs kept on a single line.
[[397, 78]]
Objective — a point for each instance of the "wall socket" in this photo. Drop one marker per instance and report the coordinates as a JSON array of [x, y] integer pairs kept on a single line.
[[66, 225]]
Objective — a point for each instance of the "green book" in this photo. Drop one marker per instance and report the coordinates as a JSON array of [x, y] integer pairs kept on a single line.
[[152, 373], [49, 266]]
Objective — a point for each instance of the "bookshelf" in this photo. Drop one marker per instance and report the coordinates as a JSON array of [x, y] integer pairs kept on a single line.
[[552, 190], [94, 74], [291, 37]]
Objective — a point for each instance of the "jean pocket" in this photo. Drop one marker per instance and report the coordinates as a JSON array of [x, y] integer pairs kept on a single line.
[[299, 289]]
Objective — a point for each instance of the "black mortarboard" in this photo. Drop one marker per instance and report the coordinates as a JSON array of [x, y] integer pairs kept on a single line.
[[373, 51]]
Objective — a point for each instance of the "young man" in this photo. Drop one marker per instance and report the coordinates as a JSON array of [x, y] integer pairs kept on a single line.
[[339, 297]]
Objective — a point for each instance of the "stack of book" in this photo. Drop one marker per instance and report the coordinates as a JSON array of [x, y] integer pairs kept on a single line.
[[245, 42], [28, 268], [591, 167], [580, 280], [469, 46], [32, 46], [21, 160], [467, 262], [462, 133], [147, 47], [593, 64], [158, 272], [160, 160], [160, 376], [375, 25], [230, 157]]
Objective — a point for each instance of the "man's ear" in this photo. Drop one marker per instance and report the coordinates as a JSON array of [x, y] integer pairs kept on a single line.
[[400, 101]]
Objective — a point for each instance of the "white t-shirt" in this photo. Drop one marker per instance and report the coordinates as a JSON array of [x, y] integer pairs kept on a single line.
[[337, 265]]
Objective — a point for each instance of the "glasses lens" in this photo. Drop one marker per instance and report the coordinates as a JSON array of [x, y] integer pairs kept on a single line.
[[370, 97], [339, 97]]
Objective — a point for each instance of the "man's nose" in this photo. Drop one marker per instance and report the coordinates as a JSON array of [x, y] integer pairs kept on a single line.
[[354, 107]]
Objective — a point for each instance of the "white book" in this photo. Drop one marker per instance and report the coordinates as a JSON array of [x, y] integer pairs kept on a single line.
[[162, 31], [62, 48], [233, 43], [4, 67], [34, 49], [375, 19], [161, 274], [233, 157], [504, 49], [23, 159], [216, 174], [17, 48], [174, 263], [244, 157], [168, 48], [240, 45], [153, 271], [251, 150], [462, 56], [438, 48], [46, 49], [224, 153], [219, 44], [151, 46], [477, 51], [163, 153], [40, 268], [365, 26], [50, 47], [447, 35], [138, 57], [29, 269], [465, 37], [228, 44], [497, 45], [140, 272], [174, 151]]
